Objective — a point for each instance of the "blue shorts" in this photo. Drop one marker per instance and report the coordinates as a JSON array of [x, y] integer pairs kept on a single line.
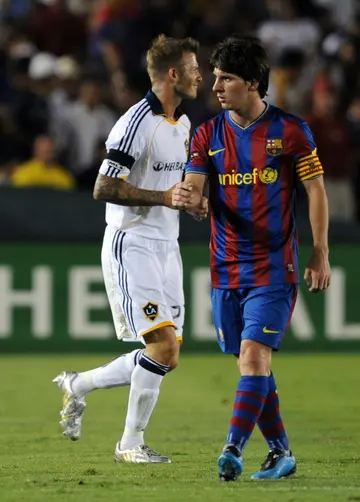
[[261, 314]]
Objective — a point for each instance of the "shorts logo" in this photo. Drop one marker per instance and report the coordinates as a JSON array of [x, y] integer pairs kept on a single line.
[[151, 311], [270, 331], [274, 147], [175, 311], [221, 335], [268, 175]]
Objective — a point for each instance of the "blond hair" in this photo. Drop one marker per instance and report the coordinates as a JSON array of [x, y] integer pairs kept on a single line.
[[166, 52]]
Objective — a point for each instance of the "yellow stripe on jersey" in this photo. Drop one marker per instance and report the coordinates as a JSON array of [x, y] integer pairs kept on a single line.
[[310, 156], [304, 168], [306, 162], [311, 176], [309, 167]]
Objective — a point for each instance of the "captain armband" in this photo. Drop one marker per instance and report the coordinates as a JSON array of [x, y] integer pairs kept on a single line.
[[117, 164]]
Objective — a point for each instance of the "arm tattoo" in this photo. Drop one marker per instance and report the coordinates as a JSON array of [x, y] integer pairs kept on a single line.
[[120, 192]]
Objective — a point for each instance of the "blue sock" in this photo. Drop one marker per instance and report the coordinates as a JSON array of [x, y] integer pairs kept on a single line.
[[249, 401], [270, 422]]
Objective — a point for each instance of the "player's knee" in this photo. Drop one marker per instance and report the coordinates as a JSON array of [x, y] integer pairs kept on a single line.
[[174, 362], [255, 358], [175, 359], [161, 345]]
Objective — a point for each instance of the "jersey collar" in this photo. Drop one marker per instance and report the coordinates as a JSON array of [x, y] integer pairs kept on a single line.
[[239, 128], [157, 108]]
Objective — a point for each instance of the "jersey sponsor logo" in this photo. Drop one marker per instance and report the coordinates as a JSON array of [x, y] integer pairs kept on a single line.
[[274, 147], [214, 152], [151, 311], [169, 166], [270, 331], [268, 176]]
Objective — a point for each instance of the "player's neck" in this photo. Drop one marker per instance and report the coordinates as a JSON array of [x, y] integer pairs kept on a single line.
[[167, 98], [247, 117]]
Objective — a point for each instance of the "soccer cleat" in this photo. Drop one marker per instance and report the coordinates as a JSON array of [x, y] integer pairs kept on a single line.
[[139, 455], [278, 464], [230, 463], [73, 406]]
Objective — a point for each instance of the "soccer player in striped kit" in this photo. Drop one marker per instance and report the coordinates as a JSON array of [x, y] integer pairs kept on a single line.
[[252, 155]]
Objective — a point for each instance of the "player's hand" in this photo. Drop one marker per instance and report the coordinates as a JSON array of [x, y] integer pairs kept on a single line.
[[317, 273], [201, 212], [178, 195], [182, 196]]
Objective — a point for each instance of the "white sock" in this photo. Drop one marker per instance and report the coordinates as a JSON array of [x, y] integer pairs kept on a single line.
[[144, 391], [117, 373]]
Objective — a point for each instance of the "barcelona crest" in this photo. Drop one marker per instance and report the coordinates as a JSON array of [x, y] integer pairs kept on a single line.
[[274, 147]]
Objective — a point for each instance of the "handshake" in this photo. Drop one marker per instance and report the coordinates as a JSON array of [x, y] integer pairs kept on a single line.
[[183, 196]]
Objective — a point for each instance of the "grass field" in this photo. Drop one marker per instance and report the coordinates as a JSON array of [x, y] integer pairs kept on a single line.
[[321, 408]]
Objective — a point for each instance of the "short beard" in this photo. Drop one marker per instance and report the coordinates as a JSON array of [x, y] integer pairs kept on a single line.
[[182, 94]]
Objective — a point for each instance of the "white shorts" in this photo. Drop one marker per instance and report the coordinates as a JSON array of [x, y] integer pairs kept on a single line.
[[144, 283]]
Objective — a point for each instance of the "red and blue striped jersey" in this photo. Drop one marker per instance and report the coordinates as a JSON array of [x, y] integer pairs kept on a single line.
[[252, 175]]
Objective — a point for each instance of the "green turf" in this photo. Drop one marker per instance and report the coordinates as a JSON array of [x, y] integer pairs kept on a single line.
[[321, 407]]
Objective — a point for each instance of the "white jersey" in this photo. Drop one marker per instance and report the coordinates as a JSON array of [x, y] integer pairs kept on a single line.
[[150, 152]]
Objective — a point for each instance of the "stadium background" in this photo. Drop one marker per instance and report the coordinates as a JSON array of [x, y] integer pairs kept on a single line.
[[68, 69]]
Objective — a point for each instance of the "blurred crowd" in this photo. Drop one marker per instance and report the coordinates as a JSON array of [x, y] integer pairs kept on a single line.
[[70, 68]]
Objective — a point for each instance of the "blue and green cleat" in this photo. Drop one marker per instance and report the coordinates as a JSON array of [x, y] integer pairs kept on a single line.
[[278, 464], [230, 463]]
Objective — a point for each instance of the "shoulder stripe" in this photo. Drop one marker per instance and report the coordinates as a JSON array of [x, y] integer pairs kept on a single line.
[[140, 107], [125, 144], [129, 140]]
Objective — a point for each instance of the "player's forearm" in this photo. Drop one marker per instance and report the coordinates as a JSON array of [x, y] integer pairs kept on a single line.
[[319, 218], [197, 181], [120, 192]]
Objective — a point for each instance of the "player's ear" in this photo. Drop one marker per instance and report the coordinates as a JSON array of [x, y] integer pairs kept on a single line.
[[173, 74], [253, 86]]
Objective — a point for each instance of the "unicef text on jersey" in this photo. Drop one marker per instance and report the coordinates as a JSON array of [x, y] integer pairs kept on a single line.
[[268, 176]]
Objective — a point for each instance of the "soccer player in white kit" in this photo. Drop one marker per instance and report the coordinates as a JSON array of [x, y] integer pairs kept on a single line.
[[142, 268]]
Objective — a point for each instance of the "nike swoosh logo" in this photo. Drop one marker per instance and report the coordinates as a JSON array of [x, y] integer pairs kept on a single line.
[[214, 152], [270, 331]]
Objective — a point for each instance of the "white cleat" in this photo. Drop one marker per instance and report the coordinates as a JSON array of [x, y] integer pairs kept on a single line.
[[73, 406], [139, 455]]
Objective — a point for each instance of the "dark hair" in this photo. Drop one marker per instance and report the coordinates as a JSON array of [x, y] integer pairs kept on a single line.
[[166, 52], [245, 57]]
